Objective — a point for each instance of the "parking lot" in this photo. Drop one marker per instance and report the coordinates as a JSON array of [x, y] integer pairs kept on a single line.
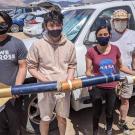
[[81, 31], [80, 121]]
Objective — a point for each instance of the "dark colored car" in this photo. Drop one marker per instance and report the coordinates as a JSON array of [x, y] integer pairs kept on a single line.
[[21, 10], [18, 22]]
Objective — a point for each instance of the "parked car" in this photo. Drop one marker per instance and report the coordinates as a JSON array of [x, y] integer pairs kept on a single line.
[[80, 30], [21, 10], [18, 22], [33, 23]]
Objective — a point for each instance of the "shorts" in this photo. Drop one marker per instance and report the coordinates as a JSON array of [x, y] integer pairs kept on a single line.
[[53, 101], [126, 91]]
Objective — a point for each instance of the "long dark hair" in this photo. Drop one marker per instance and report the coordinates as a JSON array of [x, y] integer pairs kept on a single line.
[[103, 24], [6, 18]]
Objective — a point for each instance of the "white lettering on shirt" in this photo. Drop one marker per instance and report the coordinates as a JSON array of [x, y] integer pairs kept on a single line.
[[5, 55]]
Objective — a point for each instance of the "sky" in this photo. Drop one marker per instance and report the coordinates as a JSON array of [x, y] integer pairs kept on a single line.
[[20, 2], [66, 0], [11, 2], [55, 0]]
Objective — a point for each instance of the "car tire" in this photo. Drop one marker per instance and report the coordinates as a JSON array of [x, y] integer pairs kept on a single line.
[[33, 117], [15, 28]]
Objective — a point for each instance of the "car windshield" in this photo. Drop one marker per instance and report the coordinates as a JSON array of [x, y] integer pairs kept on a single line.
[[12, 12], [29, 17], [19, 10], [20, 16], [74, 20]]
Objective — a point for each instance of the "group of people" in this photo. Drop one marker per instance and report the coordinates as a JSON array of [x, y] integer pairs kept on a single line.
[[114, 53], [53, 57]]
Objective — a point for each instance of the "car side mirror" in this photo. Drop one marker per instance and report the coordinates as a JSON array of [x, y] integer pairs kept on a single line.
[[91, 39]]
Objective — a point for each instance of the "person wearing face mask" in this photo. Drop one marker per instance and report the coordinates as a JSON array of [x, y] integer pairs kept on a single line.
[[12, 72], [124, 38], [53, 58], [104, 59]]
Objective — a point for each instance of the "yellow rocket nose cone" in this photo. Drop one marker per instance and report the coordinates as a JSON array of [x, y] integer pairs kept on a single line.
[[2, 85], [5, 93], [4, 100]]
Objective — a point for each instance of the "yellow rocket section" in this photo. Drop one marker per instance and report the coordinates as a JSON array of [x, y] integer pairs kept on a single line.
[[70, 85], [133, 77], [5, 94]]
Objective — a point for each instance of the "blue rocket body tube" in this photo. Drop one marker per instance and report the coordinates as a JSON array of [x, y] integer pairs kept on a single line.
[[89, 81], [63, 86], [34, 88]]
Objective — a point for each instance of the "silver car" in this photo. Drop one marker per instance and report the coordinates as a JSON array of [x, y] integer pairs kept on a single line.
[[33, 23]]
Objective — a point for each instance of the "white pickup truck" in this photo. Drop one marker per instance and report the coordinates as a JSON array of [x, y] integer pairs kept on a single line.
[[80, 23]]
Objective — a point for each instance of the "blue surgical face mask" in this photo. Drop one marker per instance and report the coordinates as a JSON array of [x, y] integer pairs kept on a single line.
[[103, 41]]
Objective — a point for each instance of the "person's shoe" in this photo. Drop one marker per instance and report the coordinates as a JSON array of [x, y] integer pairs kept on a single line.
[[109, 132], [124, 128]]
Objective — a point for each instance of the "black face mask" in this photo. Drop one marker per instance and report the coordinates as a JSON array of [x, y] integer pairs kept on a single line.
[[55, 33], [103, 41], [3, 28]]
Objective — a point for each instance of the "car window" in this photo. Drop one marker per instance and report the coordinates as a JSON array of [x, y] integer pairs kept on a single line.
[[36, 8], [107, 14], [21, 16], [29, 17], [19, 11], [74, 21], [42, 15], [12, 12], [28, 10]]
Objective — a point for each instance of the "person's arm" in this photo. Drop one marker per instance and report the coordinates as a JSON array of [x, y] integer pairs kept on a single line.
[[124, 68], [88, 66], [21, 72], [70, 73], [33, 63], [72, 64], [22, 65], [133, 60]]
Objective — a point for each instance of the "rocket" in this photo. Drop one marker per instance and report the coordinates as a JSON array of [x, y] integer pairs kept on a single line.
[[6, 92]]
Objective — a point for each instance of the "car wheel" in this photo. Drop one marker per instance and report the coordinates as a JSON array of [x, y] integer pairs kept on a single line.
[[14, 28], [33, 116]]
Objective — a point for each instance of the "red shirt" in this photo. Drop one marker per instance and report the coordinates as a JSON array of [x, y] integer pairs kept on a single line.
[[104, 64]]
